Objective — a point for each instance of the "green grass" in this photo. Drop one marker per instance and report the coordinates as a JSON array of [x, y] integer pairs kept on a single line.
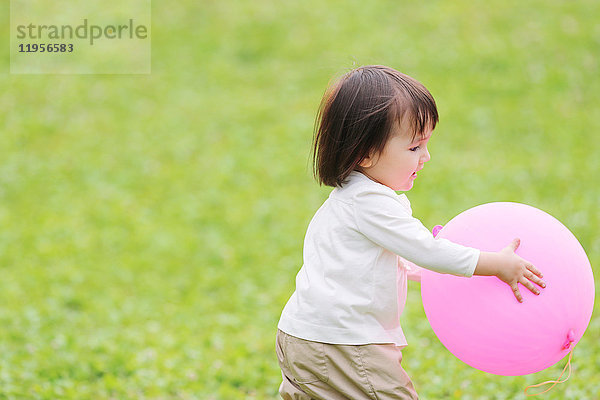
[[152, 225]]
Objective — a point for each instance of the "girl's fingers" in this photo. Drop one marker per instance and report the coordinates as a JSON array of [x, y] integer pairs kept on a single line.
[[535, 279], [516, 292], [534, 270], [530, 276], [527, 283], [514, 245]]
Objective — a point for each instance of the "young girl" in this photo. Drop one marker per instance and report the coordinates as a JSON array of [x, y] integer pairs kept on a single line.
[[339, 336]]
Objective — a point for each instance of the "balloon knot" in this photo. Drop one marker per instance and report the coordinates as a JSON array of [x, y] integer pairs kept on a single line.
[[570, 339]]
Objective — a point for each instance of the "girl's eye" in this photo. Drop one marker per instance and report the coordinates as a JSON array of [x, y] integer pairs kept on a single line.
[[415, 148]]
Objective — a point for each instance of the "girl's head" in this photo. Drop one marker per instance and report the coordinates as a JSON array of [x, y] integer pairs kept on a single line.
[[376, 120]]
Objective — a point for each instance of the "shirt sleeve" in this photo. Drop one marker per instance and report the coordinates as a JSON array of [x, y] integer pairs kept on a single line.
[[383, 220]]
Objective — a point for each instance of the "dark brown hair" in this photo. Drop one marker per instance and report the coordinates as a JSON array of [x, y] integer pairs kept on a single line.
[[357, 115]]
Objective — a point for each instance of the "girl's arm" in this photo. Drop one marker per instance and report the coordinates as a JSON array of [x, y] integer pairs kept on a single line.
[[510, 268]]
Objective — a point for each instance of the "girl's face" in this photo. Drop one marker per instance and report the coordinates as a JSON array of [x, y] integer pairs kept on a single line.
[[397, 165]]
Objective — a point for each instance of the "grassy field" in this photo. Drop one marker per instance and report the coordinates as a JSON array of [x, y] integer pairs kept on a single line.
[[152, 225]]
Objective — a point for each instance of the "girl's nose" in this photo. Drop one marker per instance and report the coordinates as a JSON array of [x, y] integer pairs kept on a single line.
[[426, 157]]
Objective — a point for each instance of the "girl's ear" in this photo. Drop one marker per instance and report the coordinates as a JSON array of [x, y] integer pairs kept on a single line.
[[366, 162]]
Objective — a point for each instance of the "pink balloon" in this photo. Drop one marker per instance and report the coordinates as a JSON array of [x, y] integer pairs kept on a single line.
[[479, 320]]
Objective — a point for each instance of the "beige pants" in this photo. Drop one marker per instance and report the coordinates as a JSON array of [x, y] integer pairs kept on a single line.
[[313, 370]]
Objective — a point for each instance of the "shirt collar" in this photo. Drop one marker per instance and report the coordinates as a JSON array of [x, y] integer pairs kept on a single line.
[[356, 176]]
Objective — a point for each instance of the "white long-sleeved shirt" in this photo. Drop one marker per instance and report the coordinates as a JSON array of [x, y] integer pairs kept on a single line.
[[351, 288]]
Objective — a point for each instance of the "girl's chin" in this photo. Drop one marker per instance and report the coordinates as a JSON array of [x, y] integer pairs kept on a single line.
[[405, 188]]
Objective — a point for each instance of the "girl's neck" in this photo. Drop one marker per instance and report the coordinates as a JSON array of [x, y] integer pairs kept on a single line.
[[362, 171]]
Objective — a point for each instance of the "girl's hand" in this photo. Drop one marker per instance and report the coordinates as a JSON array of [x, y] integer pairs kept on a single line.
[[517, 270], [511, 268]]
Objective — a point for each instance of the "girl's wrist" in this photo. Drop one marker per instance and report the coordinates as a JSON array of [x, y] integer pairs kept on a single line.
[[488, 264]]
